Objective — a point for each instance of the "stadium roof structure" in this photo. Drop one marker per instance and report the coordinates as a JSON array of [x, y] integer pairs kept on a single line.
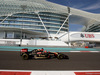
[[83, 18], [80, 17]]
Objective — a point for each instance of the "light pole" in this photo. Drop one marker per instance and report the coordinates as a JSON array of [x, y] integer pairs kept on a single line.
[[20, 38], [68, 26], [21, 34]]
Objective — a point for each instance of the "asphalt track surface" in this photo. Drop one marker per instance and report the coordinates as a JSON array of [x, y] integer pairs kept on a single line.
[[11, 60]]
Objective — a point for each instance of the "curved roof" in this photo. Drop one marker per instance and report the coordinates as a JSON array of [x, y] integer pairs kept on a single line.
[[9, 7], [83, 18]]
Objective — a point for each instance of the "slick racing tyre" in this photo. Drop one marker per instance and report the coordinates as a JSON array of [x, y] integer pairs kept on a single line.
[[25, 56], [60, 56]]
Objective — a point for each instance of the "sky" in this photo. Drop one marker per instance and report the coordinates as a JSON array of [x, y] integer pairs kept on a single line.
[[92, 6]]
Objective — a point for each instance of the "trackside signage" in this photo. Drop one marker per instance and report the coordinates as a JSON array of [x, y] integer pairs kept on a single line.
[[87, 35]]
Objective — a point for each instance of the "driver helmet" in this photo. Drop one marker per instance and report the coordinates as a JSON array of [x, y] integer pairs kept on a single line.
[[42, 49]]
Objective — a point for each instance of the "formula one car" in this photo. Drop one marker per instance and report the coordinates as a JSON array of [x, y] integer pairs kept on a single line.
[[41, 54]]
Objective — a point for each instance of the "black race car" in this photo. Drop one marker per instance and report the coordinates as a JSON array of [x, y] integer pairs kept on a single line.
[[41, 54]]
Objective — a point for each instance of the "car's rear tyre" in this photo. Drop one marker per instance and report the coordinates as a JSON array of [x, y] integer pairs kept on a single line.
[[25, 56], [60, 56]]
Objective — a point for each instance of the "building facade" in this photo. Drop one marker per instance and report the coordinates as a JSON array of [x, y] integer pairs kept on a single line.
[[41, 19], [32, 18], [94, 27]]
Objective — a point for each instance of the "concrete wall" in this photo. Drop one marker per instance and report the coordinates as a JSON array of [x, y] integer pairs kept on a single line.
[[43, 43], [34, 42]]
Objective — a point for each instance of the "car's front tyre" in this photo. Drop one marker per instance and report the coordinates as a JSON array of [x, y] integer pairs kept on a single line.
[[60, 56]]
